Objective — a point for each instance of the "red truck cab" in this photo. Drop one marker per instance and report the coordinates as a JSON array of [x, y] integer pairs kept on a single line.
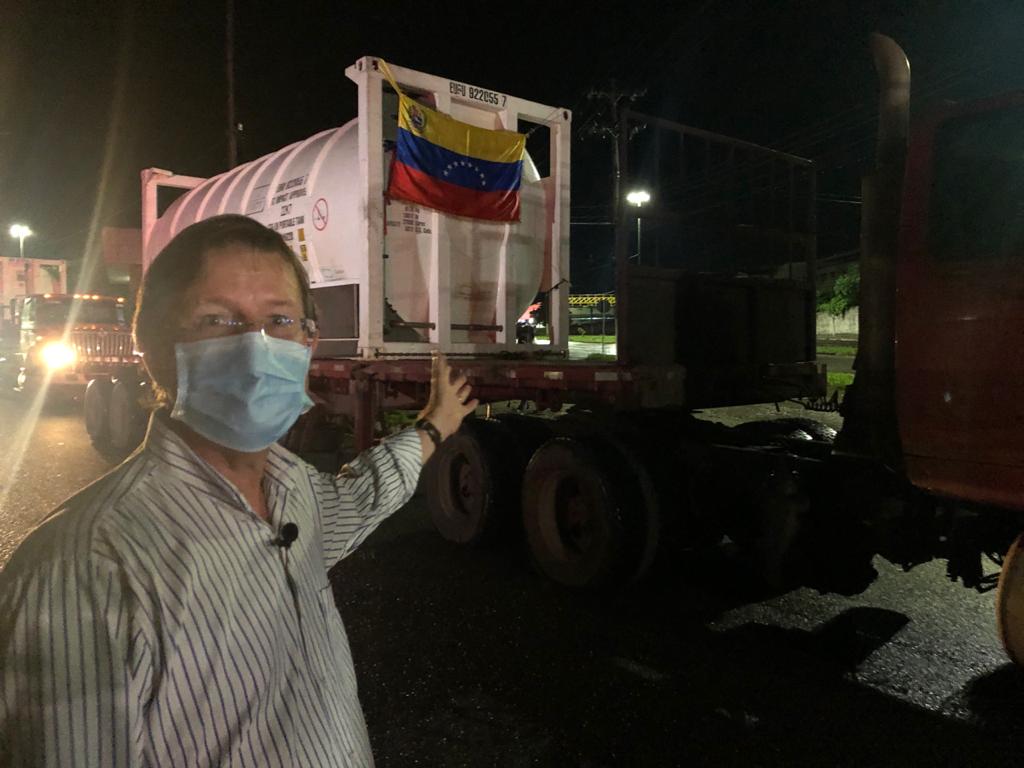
[[960, 304]]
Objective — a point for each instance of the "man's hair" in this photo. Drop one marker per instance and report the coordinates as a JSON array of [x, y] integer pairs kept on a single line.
[[180, 263]]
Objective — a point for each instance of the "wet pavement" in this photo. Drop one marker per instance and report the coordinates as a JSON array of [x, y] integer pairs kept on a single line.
[[45, 456], [470, 658]]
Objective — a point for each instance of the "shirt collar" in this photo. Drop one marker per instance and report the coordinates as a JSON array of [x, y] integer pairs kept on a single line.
[[165, 444], [281, 464]]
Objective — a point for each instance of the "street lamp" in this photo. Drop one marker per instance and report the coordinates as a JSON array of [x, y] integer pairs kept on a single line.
[[638, 197], [20, 231]]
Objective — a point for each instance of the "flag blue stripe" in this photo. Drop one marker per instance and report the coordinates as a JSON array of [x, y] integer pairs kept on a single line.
[[451, 167]]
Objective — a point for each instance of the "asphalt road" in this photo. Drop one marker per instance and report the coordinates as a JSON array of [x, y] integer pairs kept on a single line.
[[468, 658], [45, 456]]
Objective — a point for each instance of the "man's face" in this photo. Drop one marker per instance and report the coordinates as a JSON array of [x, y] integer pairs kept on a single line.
[[236, 282]]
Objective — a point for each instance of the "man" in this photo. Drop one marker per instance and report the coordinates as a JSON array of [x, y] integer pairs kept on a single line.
[[177, 612]]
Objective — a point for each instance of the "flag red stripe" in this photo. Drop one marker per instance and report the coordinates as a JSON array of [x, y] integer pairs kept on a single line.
[[418, 187]]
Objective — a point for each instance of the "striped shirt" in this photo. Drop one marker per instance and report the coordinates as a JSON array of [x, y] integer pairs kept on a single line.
[[152, 621]]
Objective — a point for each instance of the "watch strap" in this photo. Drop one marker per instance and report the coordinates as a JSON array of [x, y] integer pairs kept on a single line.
[[424, 425]]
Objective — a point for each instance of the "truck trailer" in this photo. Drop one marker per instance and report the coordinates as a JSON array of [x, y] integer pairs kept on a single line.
[[604, 465], [21, 277]]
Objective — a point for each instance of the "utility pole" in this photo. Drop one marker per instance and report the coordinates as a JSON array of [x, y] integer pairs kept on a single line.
[[229, 56], [607, 125]]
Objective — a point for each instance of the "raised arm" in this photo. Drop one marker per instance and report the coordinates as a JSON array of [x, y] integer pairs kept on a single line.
[[448, 405], [382, 479]]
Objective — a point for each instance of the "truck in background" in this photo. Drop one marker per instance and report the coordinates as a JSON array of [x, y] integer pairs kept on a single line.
[[605, 467], [60, 342]]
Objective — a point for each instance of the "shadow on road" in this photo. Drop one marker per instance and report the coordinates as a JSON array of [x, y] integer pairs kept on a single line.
[[997, 699]]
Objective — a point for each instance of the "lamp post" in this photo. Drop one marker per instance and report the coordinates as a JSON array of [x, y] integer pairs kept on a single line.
[[638, 197], [20, 231]]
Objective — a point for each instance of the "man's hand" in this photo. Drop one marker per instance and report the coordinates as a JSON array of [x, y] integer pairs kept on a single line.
[[449, 400]]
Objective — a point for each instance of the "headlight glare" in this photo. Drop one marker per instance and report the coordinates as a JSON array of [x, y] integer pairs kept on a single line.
[[57, 354]]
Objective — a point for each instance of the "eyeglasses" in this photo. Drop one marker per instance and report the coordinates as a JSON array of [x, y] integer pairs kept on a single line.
[[301, 329]]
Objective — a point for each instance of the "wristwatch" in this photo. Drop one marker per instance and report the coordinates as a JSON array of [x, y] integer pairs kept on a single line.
[[425, 425]]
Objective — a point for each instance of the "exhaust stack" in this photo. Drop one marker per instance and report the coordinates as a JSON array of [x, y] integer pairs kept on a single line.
[[869, 407]]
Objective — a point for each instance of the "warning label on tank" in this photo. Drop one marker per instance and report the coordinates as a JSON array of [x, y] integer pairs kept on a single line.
[[329, 273], [411, 221], [290, 190], [285, 225], [258, 201]]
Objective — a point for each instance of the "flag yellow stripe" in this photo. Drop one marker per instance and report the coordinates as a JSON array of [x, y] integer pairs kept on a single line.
[[497, 146]]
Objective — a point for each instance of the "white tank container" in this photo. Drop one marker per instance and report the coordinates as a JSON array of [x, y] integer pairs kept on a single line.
[[310, 193]]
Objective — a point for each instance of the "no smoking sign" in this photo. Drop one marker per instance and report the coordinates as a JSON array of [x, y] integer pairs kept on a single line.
[[320, 214]]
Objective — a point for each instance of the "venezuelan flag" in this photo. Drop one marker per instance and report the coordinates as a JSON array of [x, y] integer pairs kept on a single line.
[[443, 163]]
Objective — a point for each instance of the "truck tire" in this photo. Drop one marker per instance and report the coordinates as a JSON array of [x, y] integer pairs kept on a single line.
[[127, 418], [472, 488], [586, 513], [96, 410], [645, 509], [1010, 602]]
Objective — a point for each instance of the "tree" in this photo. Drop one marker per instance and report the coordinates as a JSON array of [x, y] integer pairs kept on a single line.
[[843, 294]]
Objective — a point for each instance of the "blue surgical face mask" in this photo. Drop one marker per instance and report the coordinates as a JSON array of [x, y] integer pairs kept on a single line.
[[242, 391]]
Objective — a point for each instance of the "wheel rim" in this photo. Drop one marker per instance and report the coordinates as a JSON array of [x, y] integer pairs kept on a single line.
[[573, 518], [460, 503], [465, 491], [580, 513], [572, 538]]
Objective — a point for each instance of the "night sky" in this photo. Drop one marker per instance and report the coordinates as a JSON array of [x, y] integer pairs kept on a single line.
[[91, 93]]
